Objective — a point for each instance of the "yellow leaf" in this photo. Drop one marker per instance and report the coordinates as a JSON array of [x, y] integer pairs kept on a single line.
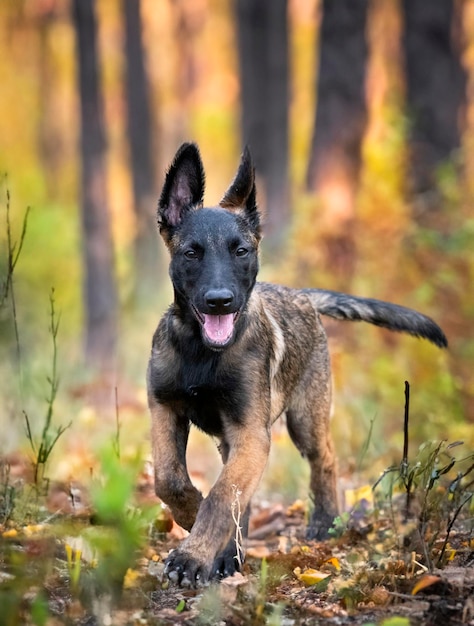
[[68, 550], [309, 576], [131, 579], [334, 562], [425, 581], [32, 529], [10, 533], [298, 506], [450, 552], [354, 496]]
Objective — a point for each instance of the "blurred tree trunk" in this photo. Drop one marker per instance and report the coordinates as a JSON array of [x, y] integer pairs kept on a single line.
[[188, 20], [436, 88], [140, 133], [99, 281], [263, 61], [436, 84], [340, 122], [50, 136]]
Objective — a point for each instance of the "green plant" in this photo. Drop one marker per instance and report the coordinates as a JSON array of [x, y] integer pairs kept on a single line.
[[22, 599], [116, 437], [211, 609], [260, 598], [74, 563], [43, 448], [439, 483], [7, 493], [275, 617], [340, 524], [13, 251], [120, 529], [7, 290]]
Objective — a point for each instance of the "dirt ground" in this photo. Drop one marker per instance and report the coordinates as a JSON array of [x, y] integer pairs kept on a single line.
[[371, 574]]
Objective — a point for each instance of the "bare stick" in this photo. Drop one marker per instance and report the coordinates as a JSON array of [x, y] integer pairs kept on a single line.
[[236, 516], [13, 254], [116, 440], [404, 466], [467, 499]]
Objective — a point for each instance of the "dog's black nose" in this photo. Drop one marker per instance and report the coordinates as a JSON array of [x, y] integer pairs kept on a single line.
[[219, 300]]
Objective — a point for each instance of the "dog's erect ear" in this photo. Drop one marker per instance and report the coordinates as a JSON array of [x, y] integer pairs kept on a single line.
[[241, 196], [183, 188]]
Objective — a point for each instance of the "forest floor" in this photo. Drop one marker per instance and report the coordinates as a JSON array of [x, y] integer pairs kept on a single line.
[[62, 562]]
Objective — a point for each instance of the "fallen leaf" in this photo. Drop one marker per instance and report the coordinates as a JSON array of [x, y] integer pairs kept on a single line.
[[379, 595], [309, 576], [298, 506], [181, 606], [425, 581], [352, 497], [236, 580], [259, 552], [33, 529], [131, 579], [333, 562]]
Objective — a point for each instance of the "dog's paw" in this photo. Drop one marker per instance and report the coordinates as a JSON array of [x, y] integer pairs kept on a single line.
[[183, 569], [319, 525], [226, 563]]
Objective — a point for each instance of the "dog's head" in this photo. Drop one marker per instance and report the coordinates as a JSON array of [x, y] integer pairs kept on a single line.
[[214, 251]]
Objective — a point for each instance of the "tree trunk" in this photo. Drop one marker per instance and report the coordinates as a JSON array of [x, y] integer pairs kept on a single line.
[[50, 138], [99, 283], [340, 122], [263, 61], [436, 98], [187, 21], [139, 126], [436, 88]]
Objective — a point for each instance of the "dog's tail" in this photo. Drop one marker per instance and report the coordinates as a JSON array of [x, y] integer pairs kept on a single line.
[[342, 306]]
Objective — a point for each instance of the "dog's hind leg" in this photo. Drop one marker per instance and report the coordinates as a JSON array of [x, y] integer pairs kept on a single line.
[[308, 422]]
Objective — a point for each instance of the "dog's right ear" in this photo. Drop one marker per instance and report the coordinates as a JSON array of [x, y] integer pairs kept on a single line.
[[183, 189]]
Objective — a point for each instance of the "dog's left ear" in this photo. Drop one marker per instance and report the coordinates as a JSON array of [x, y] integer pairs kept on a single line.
[[183, 189], [241, 196]]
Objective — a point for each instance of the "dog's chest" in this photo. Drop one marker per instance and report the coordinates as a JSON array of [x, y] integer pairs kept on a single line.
[[203, 392], [208, 407]]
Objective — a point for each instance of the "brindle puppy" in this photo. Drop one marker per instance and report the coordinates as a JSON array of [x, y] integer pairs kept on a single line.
[[231, 355]]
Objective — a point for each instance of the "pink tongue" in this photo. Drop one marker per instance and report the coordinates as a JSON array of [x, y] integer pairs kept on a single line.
[[218, 328]]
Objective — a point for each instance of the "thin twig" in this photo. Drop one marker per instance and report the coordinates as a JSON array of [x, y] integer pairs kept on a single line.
[[48, 440], [404, 465], [451, 524], [116, 440], [236, 516], [8, 291]]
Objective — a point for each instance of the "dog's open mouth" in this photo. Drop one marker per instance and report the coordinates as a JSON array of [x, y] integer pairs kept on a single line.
[[217, 329]]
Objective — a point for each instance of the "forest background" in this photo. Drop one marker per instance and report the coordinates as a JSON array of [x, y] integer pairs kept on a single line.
[[359, 116]]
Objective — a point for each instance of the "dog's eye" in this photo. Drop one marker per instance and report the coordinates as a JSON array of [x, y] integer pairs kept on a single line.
[[241, 252], [191, 254]]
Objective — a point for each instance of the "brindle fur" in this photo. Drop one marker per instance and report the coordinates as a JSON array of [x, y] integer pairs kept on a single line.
[[275, 363]]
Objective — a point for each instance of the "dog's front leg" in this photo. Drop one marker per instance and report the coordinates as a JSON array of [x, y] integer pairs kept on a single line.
[[169, 435], [249, 445]]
